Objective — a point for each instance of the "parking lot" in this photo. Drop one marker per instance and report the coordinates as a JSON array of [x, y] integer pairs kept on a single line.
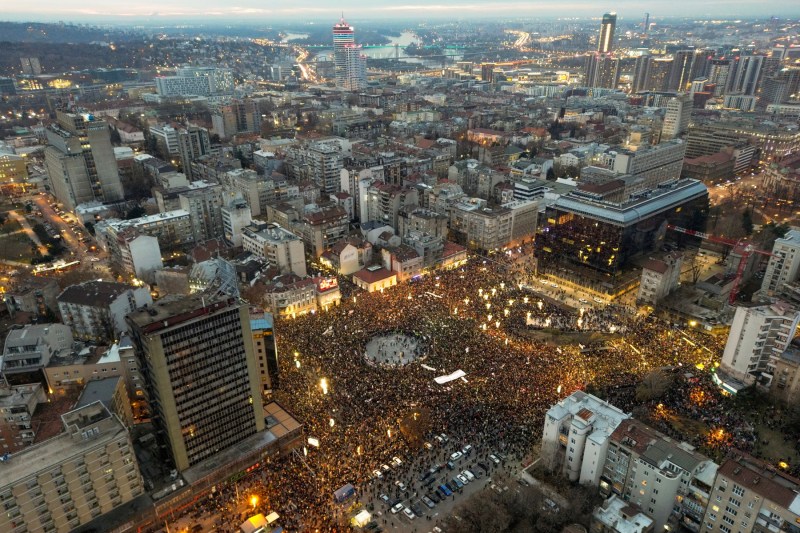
[[416, 496]]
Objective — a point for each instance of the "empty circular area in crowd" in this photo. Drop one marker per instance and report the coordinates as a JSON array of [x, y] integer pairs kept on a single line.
[[393, 350]]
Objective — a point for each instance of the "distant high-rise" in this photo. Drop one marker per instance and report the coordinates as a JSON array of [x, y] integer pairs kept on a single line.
[[80, 160], [602, 70], [605, 42], [748, 75], [682, 72], [201, 373], [719, 74], [349, 63], [646, 26]]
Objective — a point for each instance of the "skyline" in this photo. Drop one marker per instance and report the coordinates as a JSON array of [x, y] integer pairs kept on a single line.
[[319, 10]]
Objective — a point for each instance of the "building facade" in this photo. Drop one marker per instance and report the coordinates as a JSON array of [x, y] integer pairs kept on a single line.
[[201, 374], [69, 480]]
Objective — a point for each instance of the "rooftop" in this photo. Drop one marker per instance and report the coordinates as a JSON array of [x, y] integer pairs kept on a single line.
[[93, 293], [763, 479], [655, 201], [53, 452], [98, 390]]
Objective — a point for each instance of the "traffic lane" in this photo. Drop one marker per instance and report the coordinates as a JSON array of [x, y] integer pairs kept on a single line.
[[64, 229]]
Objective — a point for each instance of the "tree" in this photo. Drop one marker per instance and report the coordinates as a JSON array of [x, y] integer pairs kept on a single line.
[[695, 267], [135, 212], [747, 222], [116, 138], [551, 174], [654, 385]]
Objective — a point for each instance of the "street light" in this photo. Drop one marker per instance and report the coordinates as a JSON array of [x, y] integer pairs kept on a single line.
[[254, 501]]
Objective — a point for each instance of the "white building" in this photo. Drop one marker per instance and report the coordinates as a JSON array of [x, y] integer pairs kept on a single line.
[[784, 264], [196, 81], [277, 245], [758, 336], [618, 516], [141, 256], [659, 278], [95, 310], [676, 119], [576, 436], [167, 137], [236, 216]]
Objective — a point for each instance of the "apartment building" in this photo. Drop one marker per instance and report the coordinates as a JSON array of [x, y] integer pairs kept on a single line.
[[650, 470], [95, 310], [279, 246], [67, 481], [784, 264], [17, 405], [31, 347], [576, 436], [758, 336], [480, 227], [750, 495], [659, 278]]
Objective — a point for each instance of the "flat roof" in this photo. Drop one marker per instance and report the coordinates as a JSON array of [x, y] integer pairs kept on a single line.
[[53, 452], [98, 390], [624, 214]]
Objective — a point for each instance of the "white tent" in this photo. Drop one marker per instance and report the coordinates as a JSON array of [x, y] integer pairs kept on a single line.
[[361, 519]]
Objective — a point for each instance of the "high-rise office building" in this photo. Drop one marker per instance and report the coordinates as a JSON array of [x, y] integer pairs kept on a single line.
[[197, 360], [682, 72], [748, 75], [602, 70], [605, 41], [719, 74], [350, 65], [193, 143], [676, 119], [80, 160]]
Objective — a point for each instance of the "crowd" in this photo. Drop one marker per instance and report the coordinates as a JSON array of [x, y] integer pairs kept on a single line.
[[475, 319]]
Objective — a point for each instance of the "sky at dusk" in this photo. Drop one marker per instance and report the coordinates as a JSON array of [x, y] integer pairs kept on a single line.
[[298, 10]]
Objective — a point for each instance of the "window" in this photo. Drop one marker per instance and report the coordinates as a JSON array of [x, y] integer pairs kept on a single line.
[[724, 529], [730, 510], [735, 502], [739, 491]]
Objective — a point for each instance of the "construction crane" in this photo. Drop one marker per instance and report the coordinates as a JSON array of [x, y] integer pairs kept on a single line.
[[747, 250]]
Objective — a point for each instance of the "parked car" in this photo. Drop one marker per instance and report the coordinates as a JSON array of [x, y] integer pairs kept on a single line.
[[494, 459], [469, 475], [397, 508], [455, 456], [384, 498], [427, 501], [409, 513]]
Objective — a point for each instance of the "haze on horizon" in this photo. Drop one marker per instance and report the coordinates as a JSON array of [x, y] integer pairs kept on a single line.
[[256, 11]]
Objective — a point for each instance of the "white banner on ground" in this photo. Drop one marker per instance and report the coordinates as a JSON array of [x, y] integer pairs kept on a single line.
[[441, 380]]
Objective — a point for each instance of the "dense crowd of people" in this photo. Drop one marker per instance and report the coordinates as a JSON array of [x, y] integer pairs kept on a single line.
[[475, 318]]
